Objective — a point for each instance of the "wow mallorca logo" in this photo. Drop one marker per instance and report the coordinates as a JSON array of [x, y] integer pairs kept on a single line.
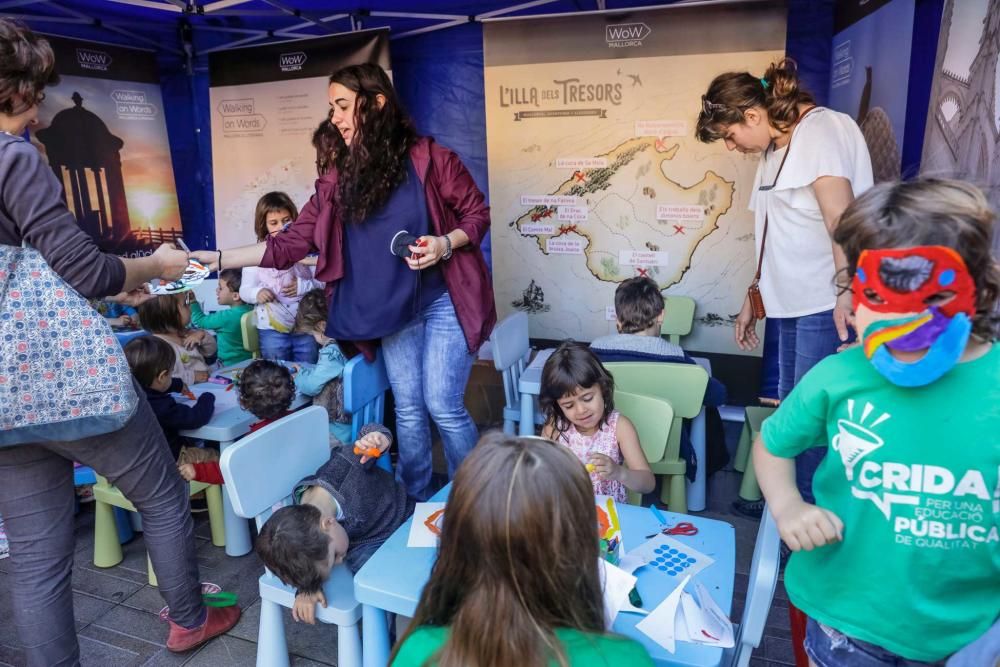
[[623, 35], [93, 59], [292, 62]]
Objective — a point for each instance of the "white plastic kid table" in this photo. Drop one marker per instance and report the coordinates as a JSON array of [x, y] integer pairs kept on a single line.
[[393, 578], [530, 386], [230, 422]]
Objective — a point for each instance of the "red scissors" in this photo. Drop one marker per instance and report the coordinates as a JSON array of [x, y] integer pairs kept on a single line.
[[682, 528]]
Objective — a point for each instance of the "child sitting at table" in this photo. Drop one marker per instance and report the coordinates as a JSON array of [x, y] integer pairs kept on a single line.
[[151, 361], [118, 315], [323, 381], [167, 317], [639, 312], [343, 513], [516, 580], [266, 391], [577, 395], [226, 323], [897, 561]]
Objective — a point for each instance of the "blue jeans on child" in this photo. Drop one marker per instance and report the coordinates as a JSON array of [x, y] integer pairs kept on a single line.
[[428, 363], [831, 648], [287, 347], [802, 343]]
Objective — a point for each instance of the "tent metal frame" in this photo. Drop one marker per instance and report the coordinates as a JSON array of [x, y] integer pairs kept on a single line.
[[309, 20]]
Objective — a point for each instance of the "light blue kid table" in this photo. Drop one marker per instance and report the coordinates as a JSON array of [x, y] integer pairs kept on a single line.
[[530, 386], [392, 579], [227, 425]]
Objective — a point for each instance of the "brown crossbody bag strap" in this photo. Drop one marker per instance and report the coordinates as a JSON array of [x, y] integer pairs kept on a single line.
[[753, 292]]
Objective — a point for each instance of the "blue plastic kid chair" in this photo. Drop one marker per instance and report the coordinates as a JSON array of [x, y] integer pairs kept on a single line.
[[760, 592], [259, 483], [511, 348], [365, 384]]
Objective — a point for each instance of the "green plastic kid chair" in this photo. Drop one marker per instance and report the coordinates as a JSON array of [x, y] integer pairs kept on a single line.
[[678, 317], [653, 419], [755, 416], [248, 327], [681, 385], [108, 550]]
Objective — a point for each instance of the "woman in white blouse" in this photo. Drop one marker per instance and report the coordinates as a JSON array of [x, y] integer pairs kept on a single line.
[[802, 283]]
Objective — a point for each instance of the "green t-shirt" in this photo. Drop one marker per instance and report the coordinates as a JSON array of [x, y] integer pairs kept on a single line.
[[226, 325], [914, 474], [581, 648]]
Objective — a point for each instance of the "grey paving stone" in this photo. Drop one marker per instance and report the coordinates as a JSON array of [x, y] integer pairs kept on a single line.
[[86, 608], [134, 623], [225, 651], [96, 651], [165, 658], [248, 624], [106, 584], [779, 650], [147, 599]]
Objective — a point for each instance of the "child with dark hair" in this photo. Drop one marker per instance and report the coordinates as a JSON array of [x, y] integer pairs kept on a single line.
[[343, 513], [639, 311], [327, 141], [266, 391], [167, 318], [226, 323], [896, 561], [151, 361], [578, 398], [324, 381], [277, 292]]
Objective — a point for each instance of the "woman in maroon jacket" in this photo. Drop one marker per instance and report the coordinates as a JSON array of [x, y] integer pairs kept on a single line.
[[433, 307]]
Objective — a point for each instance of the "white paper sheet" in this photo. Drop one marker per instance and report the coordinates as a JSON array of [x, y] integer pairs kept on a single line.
[[616, 584], [420, 534], [670, 557], [224, 400], [659, 625]]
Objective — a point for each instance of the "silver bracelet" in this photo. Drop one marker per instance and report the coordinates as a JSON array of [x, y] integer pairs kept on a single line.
[[447, 253]]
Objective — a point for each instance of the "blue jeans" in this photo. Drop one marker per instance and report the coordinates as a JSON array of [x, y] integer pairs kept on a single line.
[[831, 648], [287, 346], [802, 343], [428, 362]]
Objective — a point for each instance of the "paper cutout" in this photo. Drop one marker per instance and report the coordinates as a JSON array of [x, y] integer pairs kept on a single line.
[[659, 625], [616, 584], [671, 557], [609, 530], [688, 618], [426, 518], [193, 275]]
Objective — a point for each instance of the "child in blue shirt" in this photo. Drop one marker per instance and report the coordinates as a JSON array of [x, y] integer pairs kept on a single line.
[[324, 381]]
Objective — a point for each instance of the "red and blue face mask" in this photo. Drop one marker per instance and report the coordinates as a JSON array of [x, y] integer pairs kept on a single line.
[[908, 300]]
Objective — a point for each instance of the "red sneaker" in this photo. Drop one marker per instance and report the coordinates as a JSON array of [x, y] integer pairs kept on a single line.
[[218, 621]]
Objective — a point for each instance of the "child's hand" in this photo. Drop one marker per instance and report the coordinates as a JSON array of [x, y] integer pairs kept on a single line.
[[374, 440], [805, 526], [292, 288], [304, 609], [605, 467], [186, 470], [265, 295], [194, 338]]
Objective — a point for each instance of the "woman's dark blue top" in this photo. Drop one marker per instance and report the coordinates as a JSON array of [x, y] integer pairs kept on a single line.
[[379, 294]]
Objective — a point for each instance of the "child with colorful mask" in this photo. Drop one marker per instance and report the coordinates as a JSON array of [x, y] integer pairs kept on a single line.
[[897, 562]]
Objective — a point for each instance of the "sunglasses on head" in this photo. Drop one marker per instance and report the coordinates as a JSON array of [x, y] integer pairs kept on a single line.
[[708, 107]]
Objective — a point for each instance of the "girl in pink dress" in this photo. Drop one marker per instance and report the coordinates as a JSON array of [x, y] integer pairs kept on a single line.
[[578, 398]]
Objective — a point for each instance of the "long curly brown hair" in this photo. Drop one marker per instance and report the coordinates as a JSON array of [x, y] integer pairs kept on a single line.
[[375, 162], [518, 557], [27, 65]]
